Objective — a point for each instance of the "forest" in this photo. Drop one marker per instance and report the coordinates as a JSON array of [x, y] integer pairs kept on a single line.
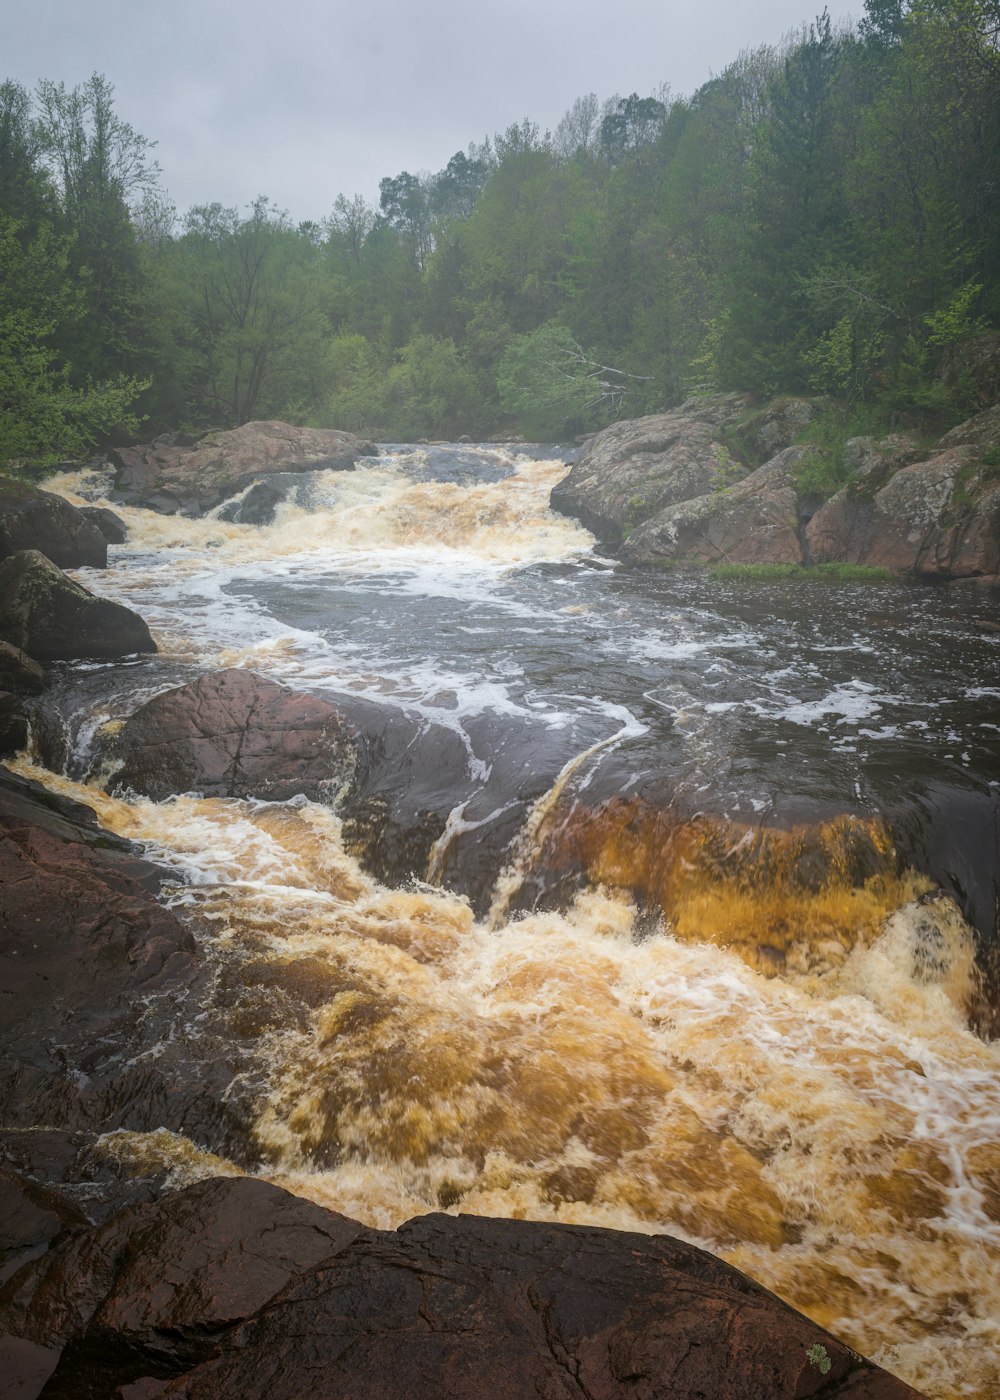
[[821, 217]]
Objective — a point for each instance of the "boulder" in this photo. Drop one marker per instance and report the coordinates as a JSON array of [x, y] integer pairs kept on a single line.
[[53, 618], [111, 526], [236, 1289], [939, 518], [173, 475], [638, 467], [235, 734], [778, 425], [33, 519], [19, 673], [83, 944], [756, 521], [258, 504], [13, 724]]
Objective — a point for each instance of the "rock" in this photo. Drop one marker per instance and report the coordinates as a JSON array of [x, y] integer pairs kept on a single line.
[[981, 433], [83, 942], [19, 673], [443, 1307], [778, 425], [235, 734], [172, 474], [938, 518], [33, 519], [639, 467], [258, 504], [14, 727], [753, 522], [52, 618], [111, 526], [152, 1288]]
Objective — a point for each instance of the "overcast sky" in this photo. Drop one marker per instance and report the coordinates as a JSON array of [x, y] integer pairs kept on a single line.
[[305, 99]]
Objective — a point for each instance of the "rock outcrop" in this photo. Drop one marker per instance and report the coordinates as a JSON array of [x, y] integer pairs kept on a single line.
[[33, 519], [236, 734], [233, 1288], [178, 474], [667, 489], [634, 469], [52, 618], [19, 673], [83, 941], [756, 521], [938, 518]]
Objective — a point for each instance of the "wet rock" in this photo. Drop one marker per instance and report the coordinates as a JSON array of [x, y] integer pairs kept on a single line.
[[14, 728], [235, 734], [175, 475], [85, 949], [31, 1216], [53, 618], [150, 1291], [636, 468], [33, 519], [19, 672], [236, 1289], [754, 521], [258, 505], [111, 526]]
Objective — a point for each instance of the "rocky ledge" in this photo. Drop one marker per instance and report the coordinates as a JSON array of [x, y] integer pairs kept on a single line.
[[668, 489], [235, 1288], [178, 473]]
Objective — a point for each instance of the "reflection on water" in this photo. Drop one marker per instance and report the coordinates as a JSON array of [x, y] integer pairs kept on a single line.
[[731, 1005]]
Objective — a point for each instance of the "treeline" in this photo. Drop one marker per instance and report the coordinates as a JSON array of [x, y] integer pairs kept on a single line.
[[822, 216]]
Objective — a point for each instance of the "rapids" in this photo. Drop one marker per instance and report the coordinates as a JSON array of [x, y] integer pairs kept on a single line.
[[610, 995]]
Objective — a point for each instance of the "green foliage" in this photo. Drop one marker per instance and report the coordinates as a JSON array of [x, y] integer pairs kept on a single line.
[[820, 216], [819, 1357], [826, 573]]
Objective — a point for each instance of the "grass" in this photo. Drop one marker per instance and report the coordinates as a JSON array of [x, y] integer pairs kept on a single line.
[[830, 573]]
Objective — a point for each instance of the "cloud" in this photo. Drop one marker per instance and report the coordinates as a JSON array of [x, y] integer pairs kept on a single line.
[[308, 99]]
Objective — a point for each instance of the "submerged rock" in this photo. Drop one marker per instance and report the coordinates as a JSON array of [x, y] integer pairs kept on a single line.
[[33, 519], [234, 1288], [53, 618], [236, 734], [176, 474]]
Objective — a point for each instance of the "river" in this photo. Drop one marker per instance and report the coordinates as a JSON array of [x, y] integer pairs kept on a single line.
[[600, 987]]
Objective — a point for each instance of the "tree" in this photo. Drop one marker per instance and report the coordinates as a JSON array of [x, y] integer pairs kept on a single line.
[[634, 123], [43, 416]]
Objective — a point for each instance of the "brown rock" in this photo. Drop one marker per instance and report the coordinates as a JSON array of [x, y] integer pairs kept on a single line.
[[85, 951], [778, 425], [753, 522], [151, 1289], [33, 519], [234, 734], [938, 518], [471, 1307], [172, 474], [444, 1307], [53, 618], [636, 468], [980, 433]]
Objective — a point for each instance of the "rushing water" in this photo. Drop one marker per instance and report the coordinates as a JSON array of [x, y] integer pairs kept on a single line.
[[608, 994]]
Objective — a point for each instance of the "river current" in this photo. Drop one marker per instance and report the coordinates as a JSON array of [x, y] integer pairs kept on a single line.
[[607, 994]]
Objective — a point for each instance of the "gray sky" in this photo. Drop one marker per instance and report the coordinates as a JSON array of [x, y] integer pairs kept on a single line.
[[306, 99]]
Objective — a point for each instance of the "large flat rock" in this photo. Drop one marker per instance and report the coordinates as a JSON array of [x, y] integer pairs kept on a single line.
[[176, 474], [233, 1288]]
